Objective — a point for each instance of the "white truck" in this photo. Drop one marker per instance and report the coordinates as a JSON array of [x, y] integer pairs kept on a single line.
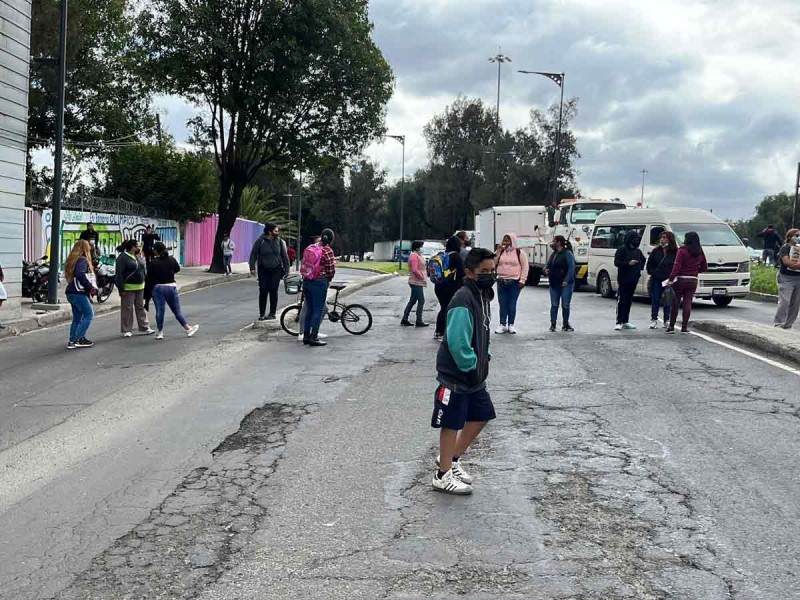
[[529, 223], [575, 220]]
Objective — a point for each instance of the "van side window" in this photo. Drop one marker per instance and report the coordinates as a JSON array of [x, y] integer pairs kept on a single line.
[[602, 237], [618, 233], [655, 234]]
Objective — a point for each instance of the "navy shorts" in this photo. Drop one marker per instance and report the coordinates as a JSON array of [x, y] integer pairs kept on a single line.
[[451, 410]]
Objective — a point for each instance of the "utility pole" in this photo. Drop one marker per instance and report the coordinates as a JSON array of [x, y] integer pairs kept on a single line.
[[158, 126], [641, 201], [58, 170], [299, 224], [796, 197], [402, 140]]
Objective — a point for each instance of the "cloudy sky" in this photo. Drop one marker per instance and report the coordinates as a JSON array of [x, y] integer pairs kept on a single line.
[[705, 95]]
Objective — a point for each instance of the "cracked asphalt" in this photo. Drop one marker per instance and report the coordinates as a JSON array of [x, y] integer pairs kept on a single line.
[[621, 465]]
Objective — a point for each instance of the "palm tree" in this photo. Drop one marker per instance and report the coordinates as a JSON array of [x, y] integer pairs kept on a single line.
[[259, 205]]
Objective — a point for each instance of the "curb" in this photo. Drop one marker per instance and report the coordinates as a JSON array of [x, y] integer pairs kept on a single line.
[[754, 340], [348, 291], [63, 315], [759, 297]]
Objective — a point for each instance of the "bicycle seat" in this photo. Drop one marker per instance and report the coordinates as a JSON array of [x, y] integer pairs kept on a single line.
[[337, 286]]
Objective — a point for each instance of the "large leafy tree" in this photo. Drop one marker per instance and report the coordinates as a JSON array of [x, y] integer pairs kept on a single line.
[[104, 99], [283, 81], [774, 210], [182, 184]]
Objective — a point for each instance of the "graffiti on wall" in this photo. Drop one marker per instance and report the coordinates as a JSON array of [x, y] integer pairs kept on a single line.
[[112, 230]]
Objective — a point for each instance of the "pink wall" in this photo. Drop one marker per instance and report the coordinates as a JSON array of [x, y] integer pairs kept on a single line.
[[199, 240]]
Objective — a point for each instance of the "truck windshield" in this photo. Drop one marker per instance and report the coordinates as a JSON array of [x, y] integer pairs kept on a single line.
[[584, 214], [711, 234]]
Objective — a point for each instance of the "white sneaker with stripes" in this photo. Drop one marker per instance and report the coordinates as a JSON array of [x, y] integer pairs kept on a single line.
[[458, 471], [450, 484]]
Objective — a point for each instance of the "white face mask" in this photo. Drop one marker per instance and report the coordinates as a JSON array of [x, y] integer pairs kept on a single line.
[[796, 239]]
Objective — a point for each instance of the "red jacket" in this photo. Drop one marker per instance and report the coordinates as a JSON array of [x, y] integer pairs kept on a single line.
[[687, 265]]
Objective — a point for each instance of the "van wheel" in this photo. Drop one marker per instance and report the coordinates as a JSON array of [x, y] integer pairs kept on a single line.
[[722, 300], [604, 285], [534, 276]]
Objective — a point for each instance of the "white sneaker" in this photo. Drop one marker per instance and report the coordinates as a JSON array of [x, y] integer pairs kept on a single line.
[[450, 484], [628, 326], [127, 334], [618, 327], [192, 330], [322, 336], [459, 471], [160, 335], [654, 324], [148, 331], [511, 329], [501, 329]]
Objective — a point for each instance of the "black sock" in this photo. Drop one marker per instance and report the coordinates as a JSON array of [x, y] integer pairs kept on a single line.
[[455, 458], [440, 474]]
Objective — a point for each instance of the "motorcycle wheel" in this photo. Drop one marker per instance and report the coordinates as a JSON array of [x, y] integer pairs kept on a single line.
[[104, 293], [40, 296]]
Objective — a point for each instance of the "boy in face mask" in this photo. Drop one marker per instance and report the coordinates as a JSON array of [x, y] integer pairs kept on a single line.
[[462, 406]]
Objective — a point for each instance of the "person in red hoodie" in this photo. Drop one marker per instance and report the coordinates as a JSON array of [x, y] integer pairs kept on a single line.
[[690, 261], [417, 282]]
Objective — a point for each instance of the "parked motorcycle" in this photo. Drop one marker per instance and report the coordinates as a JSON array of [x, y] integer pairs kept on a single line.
[[34, 279], [105, 273]]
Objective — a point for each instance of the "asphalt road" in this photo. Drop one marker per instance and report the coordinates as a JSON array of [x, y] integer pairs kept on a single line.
[[243, 465]]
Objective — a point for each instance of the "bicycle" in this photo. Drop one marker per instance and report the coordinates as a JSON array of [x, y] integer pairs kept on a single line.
[[355, 318]]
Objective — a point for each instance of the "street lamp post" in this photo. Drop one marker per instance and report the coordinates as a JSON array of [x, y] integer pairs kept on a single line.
[[558, 79], [641, 201], [55, 222], [402, 140], [499, 59]]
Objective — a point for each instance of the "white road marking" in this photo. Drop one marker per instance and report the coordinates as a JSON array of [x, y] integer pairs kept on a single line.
[[764, 359]]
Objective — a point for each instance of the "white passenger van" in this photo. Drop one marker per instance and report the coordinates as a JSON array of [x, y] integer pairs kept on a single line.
[[728, 274]]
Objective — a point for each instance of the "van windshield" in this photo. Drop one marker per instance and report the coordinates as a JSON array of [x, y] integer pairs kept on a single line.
[[585, 214], [711, 234]]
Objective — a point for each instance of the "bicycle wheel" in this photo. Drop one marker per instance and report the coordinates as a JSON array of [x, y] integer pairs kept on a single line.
[[290, 319], [356, 319]]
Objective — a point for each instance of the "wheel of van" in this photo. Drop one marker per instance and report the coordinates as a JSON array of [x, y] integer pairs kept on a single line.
[[722, 300], [534, 276], [604, 286]]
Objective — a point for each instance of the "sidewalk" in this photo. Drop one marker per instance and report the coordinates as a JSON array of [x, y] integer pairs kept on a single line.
[[784, 343], [189, 278]]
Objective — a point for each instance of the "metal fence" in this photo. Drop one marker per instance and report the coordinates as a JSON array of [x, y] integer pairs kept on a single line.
[[97, 204]]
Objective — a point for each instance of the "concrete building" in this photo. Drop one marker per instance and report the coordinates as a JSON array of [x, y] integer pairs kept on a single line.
[[15, 33]]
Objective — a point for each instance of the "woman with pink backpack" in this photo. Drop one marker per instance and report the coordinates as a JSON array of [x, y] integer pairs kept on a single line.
[[317, 269]]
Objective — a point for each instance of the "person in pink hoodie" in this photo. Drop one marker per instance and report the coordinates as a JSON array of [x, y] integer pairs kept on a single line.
[[512, 273], [417, 281]]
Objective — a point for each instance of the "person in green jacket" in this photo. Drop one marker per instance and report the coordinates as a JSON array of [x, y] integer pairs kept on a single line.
[[131, 272]]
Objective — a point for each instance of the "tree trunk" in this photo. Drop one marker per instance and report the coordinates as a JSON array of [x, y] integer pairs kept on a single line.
[[230, 198]]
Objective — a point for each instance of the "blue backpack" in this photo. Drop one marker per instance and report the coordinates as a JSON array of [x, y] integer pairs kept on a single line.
[[439, 269]]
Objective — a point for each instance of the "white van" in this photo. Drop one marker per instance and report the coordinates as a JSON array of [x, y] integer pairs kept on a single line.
[[728, 274]]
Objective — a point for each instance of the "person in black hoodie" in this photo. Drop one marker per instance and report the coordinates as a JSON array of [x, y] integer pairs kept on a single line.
[[462, 406], [161, 287], [659, 267], [446, 289], [630, 262]]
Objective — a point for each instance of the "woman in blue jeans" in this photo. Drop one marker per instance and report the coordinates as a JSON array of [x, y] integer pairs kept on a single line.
[[161, 287], [659, 267], [512, 273], [81, 284], [560, 273]]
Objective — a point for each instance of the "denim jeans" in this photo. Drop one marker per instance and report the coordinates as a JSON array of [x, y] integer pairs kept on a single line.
[[167, 295], [226, 259], [316, 291], [507, 295], [418, 298], [560, 295], [656, 291], [82, 315]]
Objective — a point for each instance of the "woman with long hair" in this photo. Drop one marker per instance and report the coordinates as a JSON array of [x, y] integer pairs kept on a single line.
[[659, 267], [162, 288], [560, 273], [788, 280], [690, 261], [512, 273], [81, 284]]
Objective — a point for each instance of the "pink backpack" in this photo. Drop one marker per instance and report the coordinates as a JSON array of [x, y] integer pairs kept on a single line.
[[311, 267]]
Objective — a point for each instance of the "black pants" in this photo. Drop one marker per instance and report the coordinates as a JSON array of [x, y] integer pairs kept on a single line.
[[443, 295], [269, 280], [624, 301]]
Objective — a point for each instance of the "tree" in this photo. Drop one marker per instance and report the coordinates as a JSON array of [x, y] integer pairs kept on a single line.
[[104, 98], [365, 197], [283, 82], [181, 184], [772, 210]]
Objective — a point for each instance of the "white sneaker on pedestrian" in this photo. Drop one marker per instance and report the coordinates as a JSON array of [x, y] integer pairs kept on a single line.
[[192, 330], [500, 329], [511, 329], [148, 331], [458, 471], [450, 484], [628, 326], [654, 324], [160, 335], [618, 327], [322, 336], [127, 334]]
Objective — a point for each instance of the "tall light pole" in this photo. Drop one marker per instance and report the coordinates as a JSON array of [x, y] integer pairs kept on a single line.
[[55, 222], [299, 224], [402, 140], [641, 201], [558, 79], [499, 59]]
